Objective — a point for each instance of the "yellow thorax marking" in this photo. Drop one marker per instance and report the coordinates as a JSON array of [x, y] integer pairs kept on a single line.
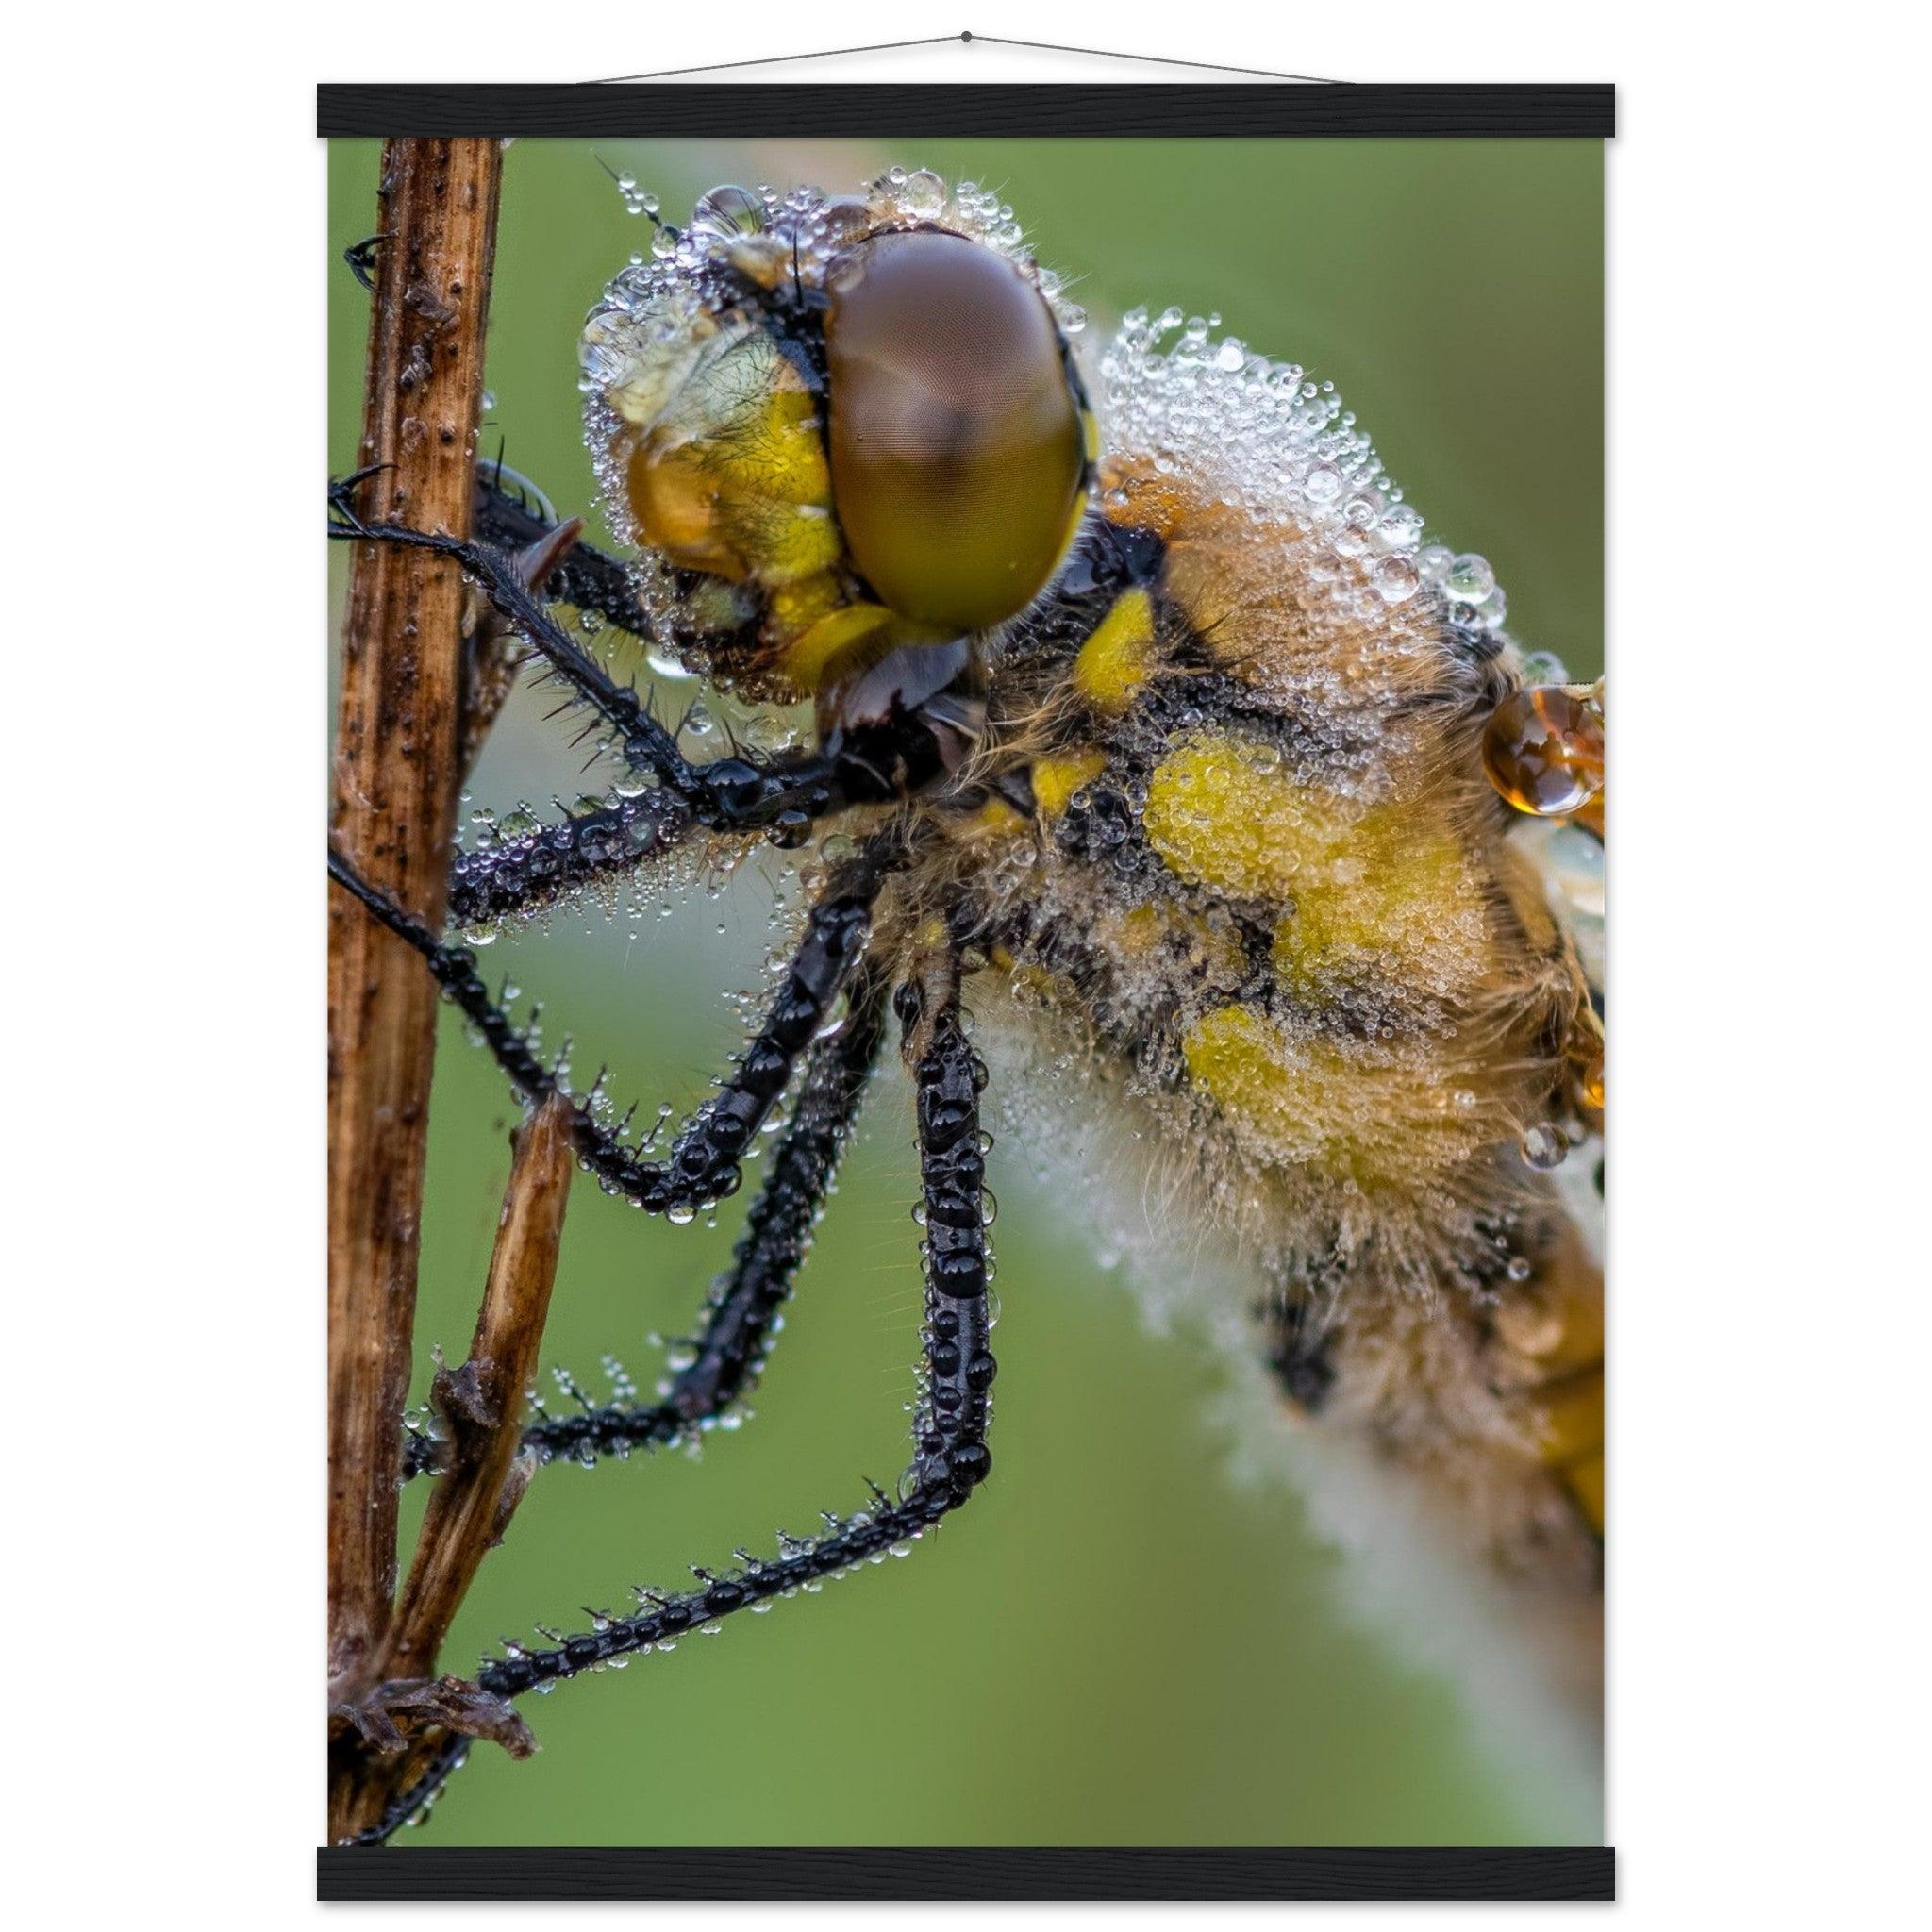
[[1358, 1115], [1388, 885], [1116, 659], [1056, 779], [806, 657]]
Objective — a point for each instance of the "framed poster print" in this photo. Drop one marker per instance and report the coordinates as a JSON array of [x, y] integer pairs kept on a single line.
[[955, 639]]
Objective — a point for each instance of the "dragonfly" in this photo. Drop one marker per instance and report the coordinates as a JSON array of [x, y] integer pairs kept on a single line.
[[1149, 724]]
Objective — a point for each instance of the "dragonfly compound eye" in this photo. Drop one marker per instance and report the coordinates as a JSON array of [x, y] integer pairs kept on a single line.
[[956, 449]]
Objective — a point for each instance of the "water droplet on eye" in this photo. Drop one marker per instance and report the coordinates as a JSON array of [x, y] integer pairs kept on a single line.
[[1543, 748], [1544, 1147]]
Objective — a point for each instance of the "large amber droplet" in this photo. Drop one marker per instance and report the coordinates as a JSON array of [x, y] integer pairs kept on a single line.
[[1543, 748]]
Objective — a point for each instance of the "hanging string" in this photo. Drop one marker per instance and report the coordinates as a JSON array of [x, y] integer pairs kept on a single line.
[[964, 38], [1155, 60]]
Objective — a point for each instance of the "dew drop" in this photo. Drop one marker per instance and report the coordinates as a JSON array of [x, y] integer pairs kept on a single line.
[[1543, 748]]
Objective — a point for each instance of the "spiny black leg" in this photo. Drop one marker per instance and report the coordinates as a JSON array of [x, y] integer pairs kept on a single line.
[[531, 870], [726, 794], [950, 1456], [589, 578], [737, 1324], [703, 1165]]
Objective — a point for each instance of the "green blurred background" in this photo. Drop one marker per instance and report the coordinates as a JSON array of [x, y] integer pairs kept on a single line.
[[1117, 1643]]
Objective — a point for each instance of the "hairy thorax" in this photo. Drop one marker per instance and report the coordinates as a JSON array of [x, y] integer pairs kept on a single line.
[[1236, 856]]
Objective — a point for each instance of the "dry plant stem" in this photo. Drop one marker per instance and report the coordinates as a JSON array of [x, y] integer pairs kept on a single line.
[[385, 1739], [395, 782], [482, 1401]]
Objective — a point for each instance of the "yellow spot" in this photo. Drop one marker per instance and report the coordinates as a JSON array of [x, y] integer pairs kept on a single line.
[[1394, 902], [1349, 1109], [995, 819], [1055, 780], [1221, 812], [1387, 889], [806, 658], [1115, 660]]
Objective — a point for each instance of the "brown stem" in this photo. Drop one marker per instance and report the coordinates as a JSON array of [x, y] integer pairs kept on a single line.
[[394, 808], [482, 1402], [383, 1736]]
